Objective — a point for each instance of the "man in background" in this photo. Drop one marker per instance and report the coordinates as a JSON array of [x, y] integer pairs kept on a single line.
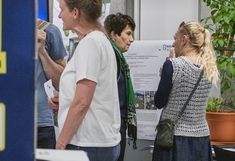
[[49, 65]]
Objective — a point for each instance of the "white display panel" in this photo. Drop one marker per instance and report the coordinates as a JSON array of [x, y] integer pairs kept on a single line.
[[145, 59], [61, 155], [159, 19]]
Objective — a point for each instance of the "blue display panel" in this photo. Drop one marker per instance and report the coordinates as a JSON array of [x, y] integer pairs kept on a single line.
[[17, 80], [43, 9]]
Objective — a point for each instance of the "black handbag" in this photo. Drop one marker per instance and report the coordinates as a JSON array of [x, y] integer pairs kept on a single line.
[[165, 127], [165, 133]]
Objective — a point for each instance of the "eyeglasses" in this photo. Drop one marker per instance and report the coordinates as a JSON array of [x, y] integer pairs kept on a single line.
[[183, 25]]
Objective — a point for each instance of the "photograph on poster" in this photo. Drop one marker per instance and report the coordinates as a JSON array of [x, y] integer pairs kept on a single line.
[[139, 99], [145, 100], [149, 100]]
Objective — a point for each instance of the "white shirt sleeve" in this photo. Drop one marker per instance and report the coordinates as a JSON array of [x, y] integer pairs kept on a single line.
[[88, 60]]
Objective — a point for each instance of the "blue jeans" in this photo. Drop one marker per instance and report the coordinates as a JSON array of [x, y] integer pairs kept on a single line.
[[46, 137], [99, 153]]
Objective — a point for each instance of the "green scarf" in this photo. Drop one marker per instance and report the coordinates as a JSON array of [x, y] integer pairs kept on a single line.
[[131, 97]]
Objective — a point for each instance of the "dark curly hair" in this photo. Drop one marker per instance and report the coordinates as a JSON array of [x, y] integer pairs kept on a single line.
[[117, 23]]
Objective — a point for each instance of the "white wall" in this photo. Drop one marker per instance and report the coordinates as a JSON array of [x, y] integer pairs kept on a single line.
[[159, 19], [118, 6]]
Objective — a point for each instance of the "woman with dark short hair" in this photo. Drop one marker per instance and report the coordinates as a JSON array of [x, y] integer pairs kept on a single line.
[[120, 28]]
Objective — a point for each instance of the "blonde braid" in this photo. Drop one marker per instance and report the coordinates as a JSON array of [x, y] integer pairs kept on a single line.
[[208, 59]]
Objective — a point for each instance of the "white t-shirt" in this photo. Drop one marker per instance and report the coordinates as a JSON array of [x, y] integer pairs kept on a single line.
[[94, 59]]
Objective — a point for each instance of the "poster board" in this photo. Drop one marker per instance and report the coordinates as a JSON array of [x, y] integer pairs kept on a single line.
[[145, 59]]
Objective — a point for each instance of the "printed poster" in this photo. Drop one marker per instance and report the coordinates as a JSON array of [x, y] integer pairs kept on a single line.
[[145, 59]]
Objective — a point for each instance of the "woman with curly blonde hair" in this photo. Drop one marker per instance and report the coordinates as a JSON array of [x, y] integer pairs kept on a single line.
[[193, 54]]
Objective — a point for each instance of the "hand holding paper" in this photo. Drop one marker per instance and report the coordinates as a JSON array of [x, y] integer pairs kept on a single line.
[[50, 90]]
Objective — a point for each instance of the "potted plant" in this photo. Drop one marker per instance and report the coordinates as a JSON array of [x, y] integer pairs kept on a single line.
[[221, 121], [221, 111]]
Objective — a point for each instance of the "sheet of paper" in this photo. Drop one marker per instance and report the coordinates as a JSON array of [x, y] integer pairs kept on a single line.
[[50, 89], [61, 155]]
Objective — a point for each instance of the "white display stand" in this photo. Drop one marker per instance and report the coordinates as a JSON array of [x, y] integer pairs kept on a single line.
[[61, 155]]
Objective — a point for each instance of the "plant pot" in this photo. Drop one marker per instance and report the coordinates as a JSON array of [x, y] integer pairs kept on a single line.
[[222, 126]]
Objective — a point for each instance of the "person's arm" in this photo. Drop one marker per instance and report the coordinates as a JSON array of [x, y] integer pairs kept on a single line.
[[52, 69], [83, 96], [164, 88]]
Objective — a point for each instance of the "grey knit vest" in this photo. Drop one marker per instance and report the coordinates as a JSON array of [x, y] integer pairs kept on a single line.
[[192, 123]]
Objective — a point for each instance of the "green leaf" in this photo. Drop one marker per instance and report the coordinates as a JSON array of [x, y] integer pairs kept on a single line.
[[218, 18], [215, 104], [225, 85], [222, 65], [220, 42], [230, 70], [226, 19], [232, 99], [233, 71], [214, 11]]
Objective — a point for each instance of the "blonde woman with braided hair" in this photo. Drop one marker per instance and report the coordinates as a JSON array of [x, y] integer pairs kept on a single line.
[[194, 55], [200, 40]]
